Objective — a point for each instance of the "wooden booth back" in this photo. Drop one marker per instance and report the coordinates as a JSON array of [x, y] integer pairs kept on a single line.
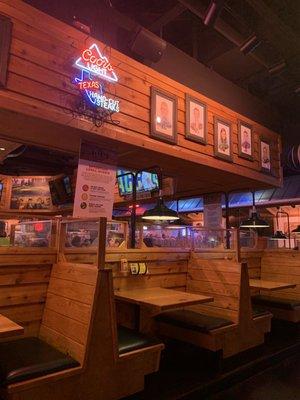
[[67, 313], [282, 266], [24, 278], [219, 278]]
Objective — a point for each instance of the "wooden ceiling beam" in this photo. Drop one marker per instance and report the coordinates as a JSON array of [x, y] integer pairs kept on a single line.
[[169, 16]]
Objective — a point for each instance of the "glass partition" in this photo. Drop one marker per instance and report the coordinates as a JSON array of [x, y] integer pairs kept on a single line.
[[33, 234], [248, 239], [163, 236], [84, 234], [213, 239]]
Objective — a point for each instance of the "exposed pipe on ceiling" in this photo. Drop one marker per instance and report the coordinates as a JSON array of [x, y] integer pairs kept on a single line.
[[224, 29]]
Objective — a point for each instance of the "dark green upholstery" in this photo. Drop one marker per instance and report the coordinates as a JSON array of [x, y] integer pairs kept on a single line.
[[130, 340], [189, 319], [30, 358], [259, 311], [276, 302]]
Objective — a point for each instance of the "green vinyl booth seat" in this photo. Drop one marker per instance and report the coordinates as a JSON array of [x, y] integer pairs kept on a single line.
[[276, 302], [30, 358], [192, 320], [130, 340]]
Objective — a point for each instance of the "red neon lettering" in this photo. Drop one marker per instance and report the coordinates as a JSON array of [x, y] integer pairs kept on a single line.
[[89, 85], [101, 63], [87, 53]]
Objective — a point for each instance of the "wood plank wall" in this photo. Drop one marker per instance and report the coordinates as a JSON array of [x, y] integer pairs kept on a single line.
[[40, 84], [67, 313], [282, 266], [24, 281], [217, 277]]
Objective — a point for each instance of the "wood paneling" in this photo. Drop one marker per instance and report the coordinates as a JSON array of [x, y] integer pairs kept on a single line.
[[67, 311], [24, 277], [40, 85], [282, 266], [219, 278]]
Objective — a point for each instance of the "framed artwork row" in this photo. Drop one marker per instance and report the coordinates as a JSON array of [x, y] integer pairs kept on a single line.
[[164, 110]]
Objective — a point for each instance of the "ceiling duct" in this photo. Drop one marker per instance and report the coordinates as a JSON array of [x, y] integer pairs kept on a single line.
[[250, 44]]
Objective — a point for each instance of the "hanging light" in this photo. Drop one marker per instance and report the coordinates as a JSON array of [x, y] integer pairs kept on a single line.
[[160, 212], [254, 221], [177, 224], [278, 235], [297, 230]]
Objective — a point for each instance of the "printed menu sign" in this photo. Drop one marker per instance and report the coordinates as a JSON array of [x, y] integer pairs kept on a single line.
[[212, 211], [96, 176]]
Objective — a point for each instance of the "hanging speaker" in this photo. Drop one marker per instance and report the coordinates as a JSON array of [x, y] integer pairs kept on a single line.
[[147, 45]]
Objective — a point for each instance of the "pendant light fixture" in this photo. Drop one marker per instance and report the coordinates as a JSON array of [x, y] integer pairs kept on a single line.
[[297, 230], [278, 235], [254, 221], [160, 212]]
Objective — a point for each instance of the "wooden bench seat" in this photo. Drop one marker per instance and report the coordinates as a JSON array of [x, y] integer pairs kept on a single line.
[[189, 319], [277, 302], [281, 266], [30, 358], [228, 323], [130, 340], [259, 311]]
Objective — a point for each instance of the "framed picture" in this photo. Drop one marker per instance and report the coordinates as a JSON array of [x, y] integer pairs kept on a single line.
[[245, 135], [163, 116], [265, 156], [195, 120], [5, 41], [222, 139]]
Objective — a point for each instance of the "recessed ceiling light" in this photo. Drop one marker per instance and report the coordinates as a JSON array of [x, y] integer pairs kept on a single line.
[[2, 148]]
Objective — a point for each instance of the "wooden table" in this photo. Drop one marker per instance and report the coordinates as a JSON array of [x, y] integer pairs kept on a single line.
[[269, 285], [9, 328], [161, 299]]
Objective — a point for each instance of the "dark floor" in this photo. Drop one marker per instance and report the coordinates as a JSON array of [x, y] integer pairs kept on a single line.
[[279, 383], [188, 373]]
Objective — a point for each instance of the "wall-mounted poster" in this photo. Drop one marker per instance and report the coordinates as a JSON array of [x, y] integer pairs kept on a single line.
[[265, 156], [30, 193], [222, 139], [163, 115], [96, 177], [195, 119], [245, 135]]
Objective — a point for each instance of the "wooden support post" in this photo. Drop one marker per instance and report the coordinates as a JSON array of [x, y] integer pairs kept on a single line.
[[100, 260]]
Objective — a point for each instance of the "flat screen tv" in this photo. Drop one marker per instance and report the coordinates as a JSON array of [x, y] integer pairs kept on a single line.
[[61, 191], [146, 182]]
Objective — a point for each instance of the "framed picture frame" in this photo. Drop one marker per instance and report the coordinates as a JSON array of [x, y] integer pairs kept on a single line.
[[195, 120], [265, 156], [223, 139], [5, 41], [163, 116], [245, 140]]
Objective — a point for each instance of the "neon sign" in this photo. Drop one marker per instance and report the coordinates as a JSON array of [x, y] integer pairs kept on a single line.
[[94, 67], [91, 60], [93, 90]]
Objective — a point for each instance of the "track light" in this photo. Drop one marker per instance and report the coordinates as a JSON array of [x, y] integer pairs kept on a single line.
[[250, 44], [212, 12], [277, 68]]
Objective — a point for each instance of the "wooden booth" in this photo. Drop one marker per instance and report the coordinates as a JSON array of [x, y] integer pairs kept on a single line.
[[85, 317]]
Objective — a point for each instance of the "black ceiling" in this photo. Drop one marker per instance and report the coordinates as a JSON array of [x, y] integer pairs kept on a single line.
[[274, 22], [180, 22]]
